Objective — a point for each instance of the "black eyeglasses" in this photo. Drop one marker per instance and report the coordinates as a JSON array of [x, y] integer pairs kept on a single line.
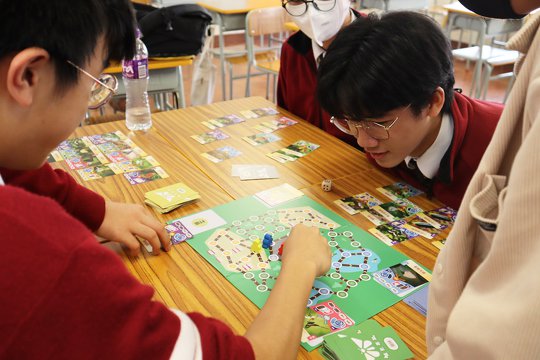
[[300, 7], [103, 88]]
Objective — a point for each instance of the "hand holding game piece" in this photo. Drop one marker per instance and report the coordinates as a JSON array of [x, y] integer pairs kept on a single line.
[[306, 244], [326, 185], [124, 222]]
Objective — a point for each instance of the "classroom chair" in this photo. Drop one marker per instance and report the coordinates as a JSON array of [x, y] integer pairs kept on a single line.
[[265, 33], [509, 57]]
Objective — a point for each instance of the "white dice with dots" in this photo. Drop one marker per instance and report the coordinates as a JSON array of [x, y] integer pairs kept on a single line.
[[326, 185]]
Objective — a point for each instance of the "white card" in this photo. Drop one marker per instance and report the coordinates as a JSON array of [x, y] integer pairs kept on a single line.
[[203, 221], [278, 195], [254, 172]]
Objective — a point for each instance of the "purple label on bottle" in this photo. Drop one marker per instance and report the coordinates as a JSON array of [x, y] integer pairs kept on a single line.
[[135, 69]]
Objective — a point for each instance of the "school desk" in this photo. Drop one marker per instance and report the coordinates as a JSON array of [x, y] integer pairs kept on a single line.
[[165, 77], [182, 278]]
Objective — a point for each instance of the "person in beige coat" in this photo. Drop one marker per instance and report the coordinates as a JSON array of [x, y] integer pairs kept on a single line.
[[484, 300]]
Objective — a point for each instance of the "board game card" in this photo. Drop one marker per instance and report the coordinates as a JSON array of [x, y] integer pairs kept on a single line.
[[392, 233], [107, 137], [399, 190], [266, 111], [223, 153], [418, 300], [301, 148], [440, 218], [138, 164], [439, 243], [98, 172], [280, 123], [248, 114], [255, 172], [210, 136], [202, 221], [375, 217], [86, 159], [54, 156], [418, 225], [397, 209], [354, 204], [323, 319], [126, 154], [143, 176], [402, 279], [177, 231], [282, 157], [226, 120], [278, 195], [261, 138]]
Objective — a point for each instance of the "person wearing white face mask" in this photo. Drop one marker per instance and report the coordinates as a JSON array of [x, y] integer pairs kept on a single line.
[[319, 22]]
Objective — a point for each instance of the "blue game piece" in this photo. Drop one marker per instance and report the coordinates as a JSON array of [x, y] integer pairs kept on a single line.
[[266, 242], [268, 237]]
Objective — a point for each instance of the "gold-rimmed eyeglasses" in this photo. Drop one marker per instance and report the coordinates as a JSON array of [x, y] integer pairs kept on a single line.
[[102, 90], [378, 130], [300, 7]]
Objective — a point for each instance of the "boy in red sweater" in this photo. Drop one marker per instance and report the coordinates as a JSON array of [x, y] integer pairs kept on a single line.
[[63, 295], [389, 81]]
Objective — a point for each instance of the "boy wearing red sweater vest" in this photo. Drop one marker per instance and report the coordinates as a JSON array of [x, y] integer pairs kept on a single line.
[[63, 295]]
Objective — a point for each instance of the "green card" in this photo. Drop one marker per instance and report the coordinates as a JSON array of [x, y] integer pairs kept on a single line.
[[365, 341]]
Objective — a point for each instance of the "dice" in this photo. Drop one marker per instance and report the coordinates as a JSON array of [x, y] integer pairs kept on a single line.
[[326, 185]]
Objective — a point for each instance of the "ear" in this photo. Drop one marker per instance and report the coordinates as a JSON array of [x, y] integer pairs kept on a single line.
[[25, 71], [437, 102]]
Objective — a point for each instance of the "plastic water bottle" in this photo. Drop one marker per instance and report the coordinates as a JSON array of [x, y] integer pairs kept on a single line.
[[135, 76]]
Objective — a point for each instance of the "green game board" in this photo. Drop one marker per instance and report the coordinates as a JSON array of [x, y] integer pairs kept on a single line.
[[351, 283]]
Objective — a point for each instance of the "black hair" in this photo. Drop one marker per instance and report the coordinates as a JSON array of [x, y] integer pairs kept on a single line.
[[376, 65], [68, 30]]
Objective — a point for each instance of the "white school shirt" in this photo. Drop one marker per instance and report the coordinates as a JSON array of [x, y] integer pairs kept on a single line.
[[428, 163]]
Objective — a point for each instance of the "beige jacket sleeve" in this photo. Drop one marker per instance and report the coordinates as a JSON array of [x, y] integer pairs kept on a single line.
[[484, 300]]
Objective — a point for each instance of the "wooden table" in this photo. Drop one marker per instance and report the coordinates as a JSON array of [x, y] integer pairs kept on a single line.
[[340, 159], [183, 279], [461, 17], [231, 16], [165, 76]]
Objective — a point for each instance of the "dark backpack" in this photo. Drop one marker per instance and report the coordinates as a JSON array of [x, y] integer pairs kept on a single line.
[[177, 30]]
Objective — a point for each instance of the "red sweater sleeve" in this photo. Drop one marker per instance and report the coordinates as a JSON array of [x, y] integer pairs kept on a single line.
[[67, 297], [82, 203]]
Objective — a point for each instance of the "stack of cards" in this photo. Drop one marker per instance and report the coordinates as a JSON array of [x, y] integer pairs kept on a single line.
[[293, 152], [368, 340], [170, 197]]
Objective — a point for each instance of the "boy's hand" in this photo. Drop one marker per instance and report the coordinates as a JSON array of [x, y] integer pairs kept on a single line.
[[306, 245], [123, 221]]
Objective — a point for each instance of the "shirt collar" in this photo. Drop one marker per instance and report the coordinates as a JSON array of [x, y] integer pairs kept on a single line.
[[319, 51], [429, 162], [1, 180]]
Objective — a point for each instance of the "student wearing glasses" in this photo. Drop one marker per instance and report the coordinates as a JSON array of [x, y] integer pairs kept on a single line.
[[389, 81], [63, 295], [319, 21]]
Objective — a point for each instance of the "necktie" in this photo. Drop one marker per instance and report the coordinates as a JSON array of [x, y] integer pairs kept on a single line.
[[426, 182]]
